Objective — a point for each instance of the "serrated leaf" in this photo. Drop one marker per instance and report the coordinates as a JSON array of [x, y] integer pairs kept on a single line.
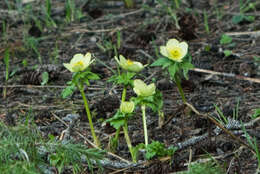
[[161, 61], [45, 78]]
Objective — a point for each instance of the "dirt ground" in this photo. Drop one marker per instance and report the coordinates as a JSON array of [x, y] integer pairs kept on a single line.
[[220, 77]]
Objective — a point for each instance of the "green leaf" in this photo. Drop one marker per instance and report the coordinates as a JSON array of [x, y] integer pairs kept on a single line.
[[68, 91], [227, 53], [158, 149], [93, 76], [173, 69], [256, 114], [249, 18], [117, 120], [45, 78], [161, 61], [237, 19], [225, 39], [186, 67]]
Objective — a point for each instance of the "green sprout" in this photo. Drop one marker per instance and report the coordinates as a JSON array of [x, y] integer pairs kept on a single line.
[[175, 59], [79, 66]]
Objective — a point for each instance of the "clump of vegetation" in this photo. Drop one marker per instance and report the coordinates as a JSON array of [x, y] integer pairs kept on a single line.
[[23, 150], [209, 168]]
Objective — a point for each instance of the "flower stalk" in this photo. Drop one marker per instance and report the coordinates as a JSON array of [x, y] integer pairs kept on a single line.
[[178, 83], [128, 142], [96, 141], [144, 125]]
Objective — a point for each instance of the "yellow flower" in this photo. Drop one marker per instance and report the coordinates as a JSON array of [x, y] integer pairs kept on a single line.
[[79, 62], [174, 50], [141, 89], [129, 65], [127, 107]]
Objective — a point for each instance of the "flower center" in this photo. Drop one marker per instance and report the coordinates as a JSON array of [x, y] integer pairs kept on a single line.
[[129, 62], [78, 66], [175, 52]]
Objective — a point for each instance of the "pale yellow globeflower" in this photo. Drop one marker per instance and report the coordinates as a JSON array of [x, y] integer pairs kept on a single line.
[[174, 50], [79, 62], [127, 107], [141, 89], [129, 65]]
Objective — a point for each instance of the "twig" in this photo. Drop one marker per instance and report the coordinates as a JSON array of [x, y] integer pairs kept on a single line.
[[251, 33], [227, 75]]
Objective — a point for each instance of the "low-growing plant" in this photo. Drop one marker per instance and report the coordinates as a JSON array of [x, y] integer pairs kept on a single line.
[[129, 70], [209, 167], [244, 6], [31, 43], [47, 9], [225, 39], [256, 113], [147, 96], [253, 143], [120, 119], [71, 11], [175, 60], [79, 66], [157, 149]]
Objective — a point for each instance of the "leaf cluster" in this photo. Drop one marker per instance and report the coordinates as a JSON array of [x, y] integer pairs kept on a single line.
[[155, 102], [209, 168], [78, 78], [119, 119], [124, 78], [157, 149], [175, 67]]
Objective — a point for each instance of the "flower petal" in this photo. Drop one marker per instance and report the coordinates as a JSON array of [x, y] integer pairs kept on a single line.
[[117, 60], [151, 88], [68, 66], [184, 47], [172, 43], [164, 51], [135, 67], [76, 58], [127, 107], [86, 61]]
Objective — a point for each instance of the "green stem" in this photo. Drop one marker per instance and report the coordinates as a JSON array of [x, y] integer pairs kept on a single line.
[[128, 141], [178, 83], [145, 126], [89, 116], [122, 100], [124, 94]]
